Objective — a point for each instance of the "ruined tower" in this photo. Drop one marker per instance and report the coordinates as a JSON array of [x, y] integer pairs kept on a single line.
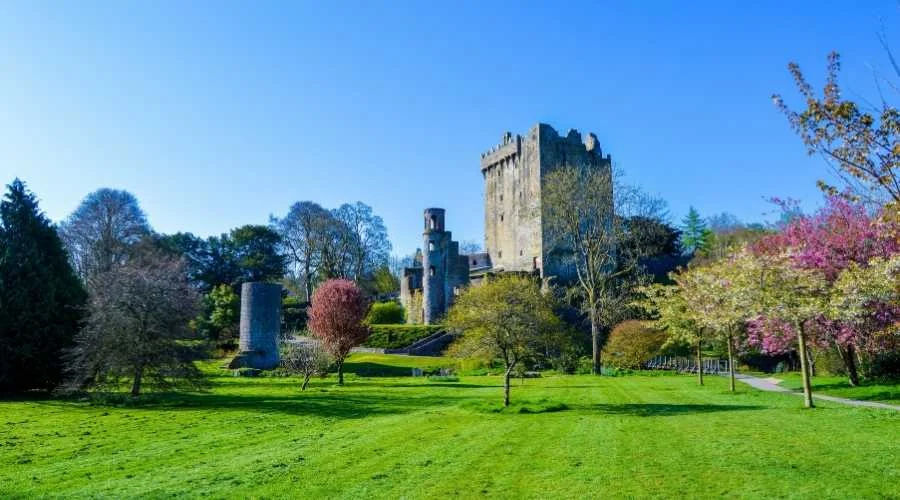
[[260, 326], [443, 272], [515, 236]]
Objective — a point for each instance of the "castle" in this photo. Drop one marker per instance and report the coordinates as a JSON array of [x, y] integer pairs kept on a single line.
[[515, 236]]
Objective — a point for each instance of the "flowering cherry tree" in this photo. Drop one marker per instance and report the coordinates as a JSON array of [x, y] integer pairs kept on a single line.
[[336, 318], [839, 236]]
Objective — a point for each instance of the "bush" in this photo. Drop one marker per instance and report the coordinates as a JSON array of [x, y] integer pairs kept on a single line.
[[386, 313], [886, 366], [631, 344], [397, 336], [293, 314]]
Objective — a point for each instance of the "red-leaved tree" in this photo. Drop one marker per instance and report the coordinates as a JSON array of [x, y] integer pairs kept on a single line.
[[336, 318]]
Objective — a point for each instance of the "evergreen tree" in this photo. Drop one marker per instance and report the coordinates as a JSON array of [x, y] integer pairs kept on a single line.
[[693, 232], [41, 299]]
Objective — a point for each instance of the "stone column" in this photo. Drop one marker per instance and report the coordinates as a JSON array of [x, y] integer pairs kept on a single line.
[[260, 326]]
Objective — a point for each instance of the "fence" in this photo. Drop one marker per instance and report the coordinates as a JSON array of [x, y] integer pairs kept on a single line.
[[687, 365]]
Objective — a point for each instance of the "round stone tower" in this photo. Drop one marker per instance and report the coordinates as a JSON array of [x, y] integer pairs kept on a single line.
[[260, 326], [434, 264]]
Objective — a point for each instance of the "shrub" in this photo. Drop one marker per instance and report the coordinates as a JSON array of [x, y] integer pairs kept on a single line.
[[398, 336], [386, 313], [293, 314], [631, 344]]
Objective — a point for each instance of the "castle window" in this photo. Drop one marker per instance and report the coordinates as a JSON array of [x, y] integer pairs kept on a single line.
[[501, 217], [520, 253], [500, 254], [430, 246], [433, 222], [501, 197], [474, 262], [431, 271]]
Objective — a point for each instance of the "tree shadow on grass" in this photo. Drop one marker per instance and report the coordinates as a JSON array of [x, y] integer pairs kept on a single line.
[[368, 369], [310, 403], [662, 410]]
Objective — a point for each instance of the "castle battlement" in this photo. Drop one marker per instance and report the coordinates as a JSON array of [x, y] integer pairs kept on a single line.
[[509, 147]]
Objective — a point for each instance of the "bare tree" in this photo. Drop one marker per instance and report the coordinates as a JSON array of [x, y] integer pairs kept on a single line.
[[586, 213], [304, 234], [363, 238], [101, 231], [138, 316], [307, 359]]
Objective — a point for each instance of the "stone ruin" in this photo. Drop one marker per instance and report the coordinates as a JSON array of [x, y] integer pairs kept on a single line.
[[260, 326]]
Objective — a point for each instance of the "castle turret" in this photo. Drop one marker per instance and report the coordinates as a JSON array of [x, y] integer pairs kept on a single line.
[[434, 263]]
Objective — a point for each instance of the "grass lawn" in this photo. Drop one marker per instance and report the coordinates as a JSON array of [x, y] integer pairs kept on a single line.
[[567, 436], [838, 386]]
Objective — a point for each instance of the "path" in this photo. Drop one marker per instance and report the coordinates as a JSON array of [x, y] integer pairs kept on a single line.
[[771, 384]]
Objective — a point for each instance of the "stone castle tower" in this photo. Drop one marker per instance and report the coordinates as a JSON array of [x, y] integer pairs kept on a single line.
[[515, 237], [442, 274]]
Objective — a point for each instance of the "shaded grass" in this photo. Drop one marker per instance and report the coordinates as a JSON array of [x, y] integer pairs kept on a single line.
[[564, 436], [840, 387]]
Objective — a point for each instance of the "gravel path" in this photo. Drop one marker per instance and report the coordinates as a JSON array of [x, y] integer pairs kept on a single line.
[[771, 384]]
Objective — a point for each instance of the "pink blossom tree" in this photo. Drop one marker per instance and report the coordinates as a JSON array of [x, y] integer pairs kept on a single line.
[[840, 235], [336, 319]]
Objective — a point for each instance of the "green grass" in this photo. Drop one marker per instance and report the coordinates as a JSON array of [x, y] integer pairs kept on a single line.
[[840, 387], [564, 437]]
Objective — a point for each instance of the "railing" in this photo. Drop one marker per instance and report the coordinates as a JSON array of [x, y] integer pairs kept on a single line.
[[687, 365]]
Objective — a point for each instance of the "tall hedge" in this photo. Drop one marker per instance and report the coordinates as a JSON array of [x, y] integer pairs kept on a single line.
[[399, 336], [631, 344], [386, 313]]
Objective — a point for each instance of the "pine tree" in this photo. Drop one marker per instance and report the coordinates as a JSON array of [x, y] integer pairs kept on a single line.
[[693, 232], [41, 299]]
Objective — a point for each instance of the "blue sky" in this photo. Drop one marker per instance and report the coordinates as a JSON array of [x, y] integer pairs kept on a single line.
[[217, 114]]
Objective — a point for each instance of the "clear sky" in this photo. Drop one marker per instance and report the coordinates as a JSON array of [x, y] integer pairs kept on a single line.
[[217, 114]]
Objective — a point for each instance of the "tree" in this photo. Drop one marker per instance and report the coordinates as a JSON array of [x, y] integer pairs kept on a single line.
[[672, 314], [304, 233], [256, 253], [859, 146], [137, 322], [102, 230], [336, 318], [693, 232], [469, 247], [505, 317], [362, 239], [222, 309], [785, 293], [307, 359], [384, 282], [719, 298], [41, 299], [585, 215], [839, 235]]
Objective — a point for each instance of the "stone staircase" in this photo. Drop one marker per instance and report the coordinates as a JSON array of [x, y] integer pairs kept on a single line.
[[431, 345]]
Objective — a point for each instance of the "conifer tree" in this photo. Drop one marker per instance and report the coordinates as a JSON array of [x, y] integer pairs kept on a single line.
[[693, 232], [41, 299]]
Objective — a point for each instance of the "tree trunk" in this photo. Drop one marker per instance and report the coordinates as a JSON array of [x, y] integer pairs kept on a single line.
[[812, 362], [731, 362], [804, 368], [308, 279], [136, 383], [699, 362], [595, 340], [340, 367], [305, 382], [849, 356], [506, 386]]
